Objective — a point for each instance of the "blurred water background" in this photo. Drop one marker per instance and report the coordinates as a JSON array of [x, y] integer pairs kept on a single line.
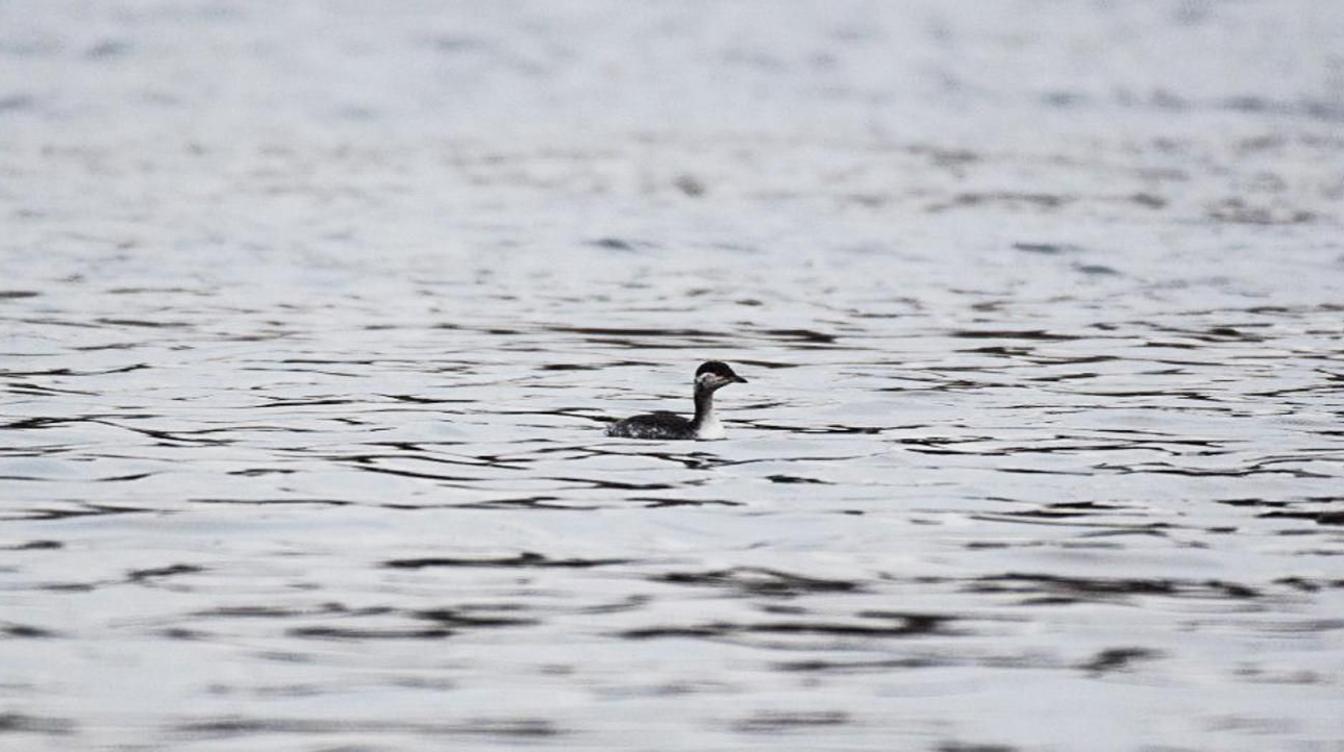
[[311, 314]]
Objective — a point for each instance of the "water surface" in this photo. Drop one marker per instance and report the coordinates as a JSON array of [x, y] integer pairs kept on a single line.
[[311, 318]]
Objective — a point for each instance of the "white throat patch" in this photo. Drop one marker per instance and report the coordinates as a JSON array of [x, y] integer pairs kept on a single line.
[[710, 427]]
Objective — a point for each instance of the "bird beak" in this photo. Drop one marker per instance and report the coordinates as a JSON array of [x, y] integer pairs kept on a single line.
[[739, 379]]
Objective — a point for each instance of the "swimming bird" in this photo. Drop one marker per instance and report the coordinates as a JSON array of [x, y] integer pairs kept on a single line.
[[711, 376]]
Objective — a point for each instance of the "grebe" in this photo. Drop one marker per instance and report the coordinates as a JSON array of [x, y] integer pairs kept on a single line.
[[709, 378]]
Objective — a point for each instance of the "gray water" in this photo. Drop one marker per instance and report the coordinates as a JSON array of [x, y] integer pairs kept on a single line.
[[312, 314]]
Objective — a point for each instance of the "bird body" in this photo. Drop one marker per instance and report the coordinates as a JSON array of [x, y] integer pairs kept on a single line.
[[709, 377]]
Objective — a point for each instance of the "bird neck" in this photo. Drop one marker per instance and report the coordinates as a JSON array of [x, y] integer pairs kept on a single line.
[[704, 406], [705, 422]]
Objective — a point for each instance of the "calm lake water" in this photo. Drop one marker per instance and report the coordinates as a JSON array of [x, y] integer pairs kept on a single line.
[[312, 314]]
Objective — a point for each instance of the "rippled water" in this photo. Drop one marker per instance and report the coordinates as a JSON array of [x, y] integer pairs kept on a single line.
[[311, 319]]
